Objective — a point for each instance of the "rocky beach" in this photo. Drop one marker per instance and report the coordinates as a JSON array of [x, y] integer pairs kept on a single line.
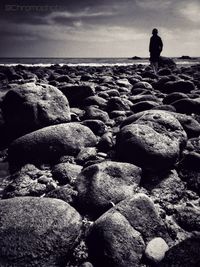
[[100, 166]]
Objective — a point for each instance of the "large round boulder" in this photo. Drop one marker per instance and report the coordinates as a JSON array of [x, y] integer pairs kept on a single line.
[[37, 231], [28, 107], [50, 143], [151, 139]]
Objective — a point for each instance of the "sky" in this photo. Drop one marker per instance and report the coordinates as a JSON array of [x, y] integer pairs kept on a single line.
[[97, 28]]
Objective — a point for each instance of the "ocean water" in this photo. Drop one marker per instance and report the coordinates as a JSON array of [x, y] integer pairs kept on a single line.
[[88, 61]]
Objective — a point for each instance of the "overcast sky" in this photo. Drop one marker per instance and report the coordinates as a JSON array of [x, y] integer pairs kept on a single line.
[[97, 28]]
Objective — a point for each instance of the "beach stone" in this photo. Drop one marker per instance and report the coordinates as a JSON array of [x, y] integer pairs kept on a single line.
[[63, 78], [95, 100], [37, 231], [165, 188], [112, 92], [23, 185], [66, 173], [156, 249], [106, 142], [118, 243], [188, 217], [86, 154], [65, 193], [170, 98], [178, 86], [189, 124], [28, 107], [184, 254], [140, 98], [97, 126], [169, 108], [142, 215], [102, 184], [142, 84], [117, 103], [143, 105], [94, 113], [50, 143], [164, 72], [77, 93], [187, 106], [146, 148]]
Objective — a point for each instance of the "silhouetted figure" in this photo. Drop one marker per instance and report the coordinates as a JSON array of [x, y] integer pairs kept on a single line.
[[155, 48]]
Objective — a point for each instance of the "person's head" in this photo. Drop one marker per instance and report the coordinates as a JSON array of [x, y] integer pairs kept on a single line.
[[155, 31]]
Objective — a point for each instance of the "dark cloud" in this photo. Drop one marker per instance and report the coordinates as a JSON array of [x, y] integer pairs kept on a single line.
[[71, 25]]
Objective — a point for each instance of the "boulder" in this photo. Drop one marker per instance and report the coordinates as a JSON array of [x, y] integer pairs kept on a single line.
[[66, 173], [37, 231], [184, 254], [118, 243], [144, 147], [101, 185], [143, 217], [28, 107], [178, 86], [50, 143], [94, 113], [77, 93]]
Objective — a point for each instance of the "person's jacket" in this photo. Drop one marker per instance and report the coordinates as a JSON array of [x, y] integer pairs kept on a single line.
[[156, 44]]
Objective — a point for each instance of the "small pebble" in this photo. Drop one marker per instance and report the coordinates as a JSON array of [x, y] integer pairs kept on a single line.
[[156, 249]]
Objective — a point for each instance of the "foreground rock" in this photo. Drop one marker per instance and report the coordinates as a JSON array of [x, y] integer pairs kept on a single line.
[[118, 243], [102, 185], [29, 107], [152, 141], [37, 231], [50, 143]]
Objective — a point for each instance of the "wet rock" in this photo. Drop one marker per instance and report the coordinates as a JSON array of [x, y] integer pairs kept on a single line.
[[187, 106], [142, 216], [141, 84], [50, 143], [189, 124], [143, 105], [102, 184], [169, 99], [188, 217], [97, 126], [156, 249], [106, 142], [95, 100], [165, 188], [164, 72], [37, 231], [94, 113], [117, 103], [77, 93], [66, 173], [29, 107], [65, 193], [178, 86], [118, 243], [143, 146], [184, 254], [86, 154]]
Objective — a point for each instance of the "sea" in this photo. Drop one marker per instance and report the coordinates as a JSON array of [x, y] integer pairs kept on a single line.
[[90, 61]]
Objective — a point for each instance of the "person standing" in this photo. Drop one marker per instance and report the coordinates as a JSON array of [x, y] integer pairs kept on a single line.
[[155, 48]]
